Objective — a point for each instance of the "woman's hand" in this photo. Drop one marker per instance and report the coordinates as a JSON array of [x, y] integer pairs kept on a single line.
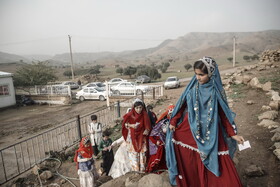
[[172, 128], [239, 139], [159, 143], [127, 125], [146, 132]]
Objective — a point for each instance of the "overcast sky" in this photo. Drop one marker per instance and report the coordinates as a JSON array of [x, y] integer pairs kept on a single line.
[[43, 26]]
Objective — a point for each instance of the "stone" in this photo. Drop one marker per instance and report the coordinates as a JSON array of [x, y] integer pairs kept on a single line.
[[276, 145], [250, 102], [227, 87], [228, 74], [265, 108], [261, 68], [62, 181], [246, 79], [35, 170], [275, 130], [45, 175], [238, 79], [276, 137], [275, 96], [132, 180], [276, 152], [152, 180], [254, 171], [274, 105], [266, 86], [268, 124], [254, 83], [272, 114]]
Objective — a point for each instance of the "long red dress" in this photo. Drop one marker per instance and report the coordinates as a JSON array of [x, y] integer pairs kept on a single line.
[[191, 171], [157, 161]]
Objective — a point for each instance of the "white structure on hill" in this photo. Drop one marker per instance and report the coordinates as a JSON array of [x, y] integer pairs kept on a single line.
[[7, 90]]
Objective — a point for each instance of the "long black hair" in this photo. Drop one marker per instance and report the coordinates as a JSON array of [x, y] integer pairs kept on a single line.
[[200, 65]]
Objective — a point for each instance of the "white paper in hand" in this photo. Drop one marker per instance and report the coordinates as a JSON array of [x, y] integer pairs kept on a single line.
[[243, 146]]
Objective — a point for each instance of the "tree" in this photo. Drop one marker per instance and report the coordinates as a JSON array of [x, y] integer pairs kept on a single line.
[[255, 57], [154, 74], [119, 70], [247, 58], [163, 69], [94, 70], [150, 71], [187, 66], [67, 73], [230, 59], [164, 66], [129, 70], [37, 73]]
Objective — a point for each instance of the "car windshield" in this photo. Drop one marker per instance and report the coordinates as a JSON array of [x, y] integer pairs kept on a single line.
[[171, 79], [99, 89], [100, 84]]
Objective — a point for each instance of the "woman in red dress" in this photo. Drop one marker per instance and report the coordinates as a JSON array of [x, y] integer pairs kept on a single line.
[[135, 129], [202, 136], [156, 161]]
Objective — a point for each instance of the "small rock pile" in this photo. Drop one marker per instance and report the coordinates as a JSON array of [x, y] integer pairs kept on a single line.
[[270, 56]]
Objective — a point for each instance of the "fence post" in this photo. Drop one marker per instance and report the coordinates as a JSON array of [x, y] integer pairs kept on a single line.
[[154, 93], [79, 128], [142, 96], [119, 109]]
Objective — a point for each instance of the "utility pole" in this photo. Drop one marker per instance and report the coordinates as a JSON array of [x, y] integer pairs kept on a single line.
[[233, 59], [72, 69]]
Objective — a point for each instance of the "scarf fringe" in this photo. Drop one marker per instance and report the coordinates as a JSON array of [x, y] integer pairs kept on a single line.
[[195, 149]]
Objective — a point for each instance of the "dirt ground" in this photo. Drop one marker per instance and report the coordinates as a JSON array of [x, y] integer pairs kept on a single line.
[[18, 123]]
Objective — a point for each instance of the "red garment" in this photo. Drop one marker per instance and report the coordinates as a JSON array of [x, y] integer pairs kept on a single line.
[[192, 172], [163, 115], [137, 136], [86, 152], [157, 161]]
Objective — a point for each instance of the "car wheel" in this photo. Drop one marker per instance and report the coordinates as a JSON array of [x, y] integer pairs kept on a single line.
[[117, 92], [101, 98], [138, 92], [82, 98]]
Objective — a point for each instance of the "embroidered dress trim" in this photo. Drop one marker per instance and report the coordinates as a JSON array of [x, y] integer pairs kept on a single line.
[[195, 149]]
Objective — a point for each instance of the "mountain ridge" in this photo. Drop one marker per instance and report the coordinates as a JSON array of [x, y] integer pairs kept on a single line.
[[189, 46]]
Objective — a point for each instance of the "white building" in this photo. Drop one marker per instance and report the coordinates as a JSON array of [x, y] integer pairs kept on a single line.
[[7, 90]]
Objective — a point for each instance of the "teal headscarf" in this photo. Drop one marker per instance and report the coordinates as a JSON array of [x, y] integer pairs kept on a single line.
[[202, 108]]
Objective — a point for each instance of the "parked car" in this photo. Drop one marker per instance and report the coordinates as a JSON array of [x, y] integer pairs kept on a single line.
[[171, 82], [143, 79], [115, 81], [91, 93], [129, 88], [95, 85], [73, 85]]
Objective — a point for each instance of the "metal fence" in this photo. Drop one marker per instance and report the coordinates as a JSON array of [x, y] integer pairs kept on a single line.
[[52, 90], [20, 157]]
